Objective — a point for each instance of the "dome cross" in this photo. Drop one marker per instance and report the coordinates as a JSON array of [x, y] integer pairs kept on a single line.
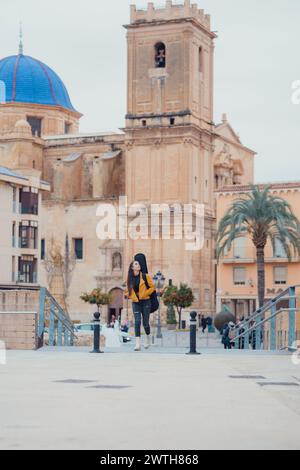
[[21, 40]]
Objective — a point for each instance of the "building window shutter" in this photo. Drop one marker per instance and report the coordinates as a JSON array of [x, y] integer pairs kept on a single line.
[[280, 275], [239, 276], [239, 247]]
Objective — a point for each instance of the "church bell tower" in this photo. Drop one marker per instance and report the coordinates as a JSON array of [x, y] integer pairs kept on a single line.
[[169, 132]]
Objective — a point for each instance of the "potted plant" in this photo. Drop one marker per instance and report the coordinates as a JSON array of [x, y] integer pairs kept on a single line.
[[168, 300], [171, 318]]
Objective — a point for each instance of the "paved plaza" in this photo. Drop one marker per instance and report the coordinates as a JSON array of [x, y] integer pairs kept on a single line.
[[161, 399]]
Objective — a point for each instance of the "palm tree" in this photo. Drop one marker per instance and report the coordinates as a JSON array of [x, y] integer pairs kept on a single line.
[[261, 216]]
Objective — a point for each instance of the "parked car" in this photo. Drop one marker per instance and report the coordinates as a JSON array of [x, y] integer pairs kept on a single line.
[[85, 328]]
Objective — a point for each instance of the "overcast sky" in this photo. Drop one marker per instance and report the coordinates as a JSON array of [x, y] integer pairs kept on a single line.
[[257, 60]]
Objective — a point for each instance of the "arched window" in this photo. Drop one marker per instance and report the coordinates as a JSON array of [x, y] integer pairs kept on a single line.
[[160, 55], [117, 261]]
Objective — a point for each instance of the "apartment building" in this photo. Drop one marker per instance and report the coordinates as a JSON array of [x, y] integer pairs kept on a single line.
[[20, 209]]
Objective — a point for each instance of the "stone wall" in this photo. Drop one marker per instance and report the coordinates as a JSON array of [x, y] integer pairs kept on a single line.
[[18, 320], [19, 330]]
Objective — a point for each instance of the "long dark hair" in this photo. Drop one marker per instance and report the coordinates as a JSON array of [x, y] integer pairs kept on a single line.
[[130, 277], [141, 259]]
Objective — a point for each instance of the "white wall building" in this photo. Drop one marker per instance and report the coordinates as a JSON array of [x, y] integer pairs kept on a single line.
[[20, 208]]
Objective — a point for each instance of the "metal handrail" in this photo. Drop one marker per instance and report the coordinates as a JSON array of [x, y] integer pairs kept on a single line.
[[67, 325], [270, 304], [262, 322], [57, 306], [65, 320]]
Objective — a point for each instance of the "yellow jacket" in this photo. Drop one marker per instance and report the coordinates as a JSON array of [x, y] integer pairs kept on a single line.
[[144, 293]]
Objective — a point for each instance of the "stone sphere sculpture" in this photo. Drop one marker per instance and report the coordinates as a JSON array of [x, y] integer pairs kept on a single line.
[[222, 318]]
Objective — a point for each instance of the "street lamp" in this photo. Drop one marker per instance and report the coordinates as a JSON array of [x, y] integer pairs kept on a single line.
[[159, 281]]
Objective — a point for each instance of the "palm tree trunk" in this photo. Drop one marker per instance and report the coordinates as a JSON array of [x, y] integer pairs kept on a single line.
[[261, 282]]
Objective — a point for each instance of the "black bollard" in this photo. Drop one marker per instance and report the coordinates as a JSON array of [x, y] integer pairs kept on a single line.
[[96, 322], [193, 333]]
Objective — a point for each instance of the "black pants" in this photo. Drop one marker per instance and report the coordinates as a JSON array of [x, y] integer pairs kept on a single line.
[[142, 310]]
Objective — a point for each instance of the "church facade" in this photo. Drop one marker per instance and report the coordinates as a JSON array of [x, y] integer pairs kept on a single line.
[[170, 152]]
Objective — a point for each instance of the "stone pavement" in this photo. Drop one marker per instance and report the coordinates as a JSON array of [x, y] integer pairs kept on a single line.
[[158, 399]]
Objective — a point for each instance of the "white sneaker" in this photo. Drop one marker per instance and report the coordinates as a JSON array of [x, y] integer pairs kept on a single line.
[[137, 344], [148, 342]]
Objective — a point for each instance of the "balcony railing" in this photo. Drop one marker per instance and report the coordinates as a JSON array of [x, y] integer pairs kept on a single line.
[[30, 210], [27, 278], [237, 260], [27, 243]]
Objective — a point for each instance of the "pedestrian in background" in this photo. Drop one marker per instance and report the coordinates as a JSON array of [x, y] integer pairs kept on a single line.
[[203, 323]]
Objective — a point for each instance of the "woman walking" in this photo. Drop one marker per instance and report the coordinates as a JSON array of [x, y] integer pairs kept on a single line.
[[139, 289]]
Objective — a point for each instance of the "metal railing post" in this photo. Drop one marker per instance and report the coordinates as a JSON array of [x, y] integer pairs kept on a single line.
[[41, 326], [273, 328], [52, 326], [258, 331], [72, 338], [292, 316], [66, 337], [246, 336], [59, 332]]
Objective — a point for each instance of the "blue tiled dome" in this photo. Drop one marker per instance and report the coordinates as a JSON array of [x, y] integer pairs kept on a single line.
[[28, 80]]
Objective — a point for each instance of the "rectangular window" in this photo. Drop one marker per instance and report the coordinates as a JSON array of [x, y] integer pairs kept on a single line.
[[68, 128], [13, 269], [14, 199], [13, 235], [36, 125], [28, 233], [201, 60], [78, 248], [239, 247], [29, 201], [239, 276], [43, 246], [27, 270], [280, 275]]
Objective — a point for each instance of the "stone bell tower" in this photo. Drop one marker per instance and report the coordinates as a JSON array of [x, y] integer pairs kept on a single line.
[[169, 133]]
